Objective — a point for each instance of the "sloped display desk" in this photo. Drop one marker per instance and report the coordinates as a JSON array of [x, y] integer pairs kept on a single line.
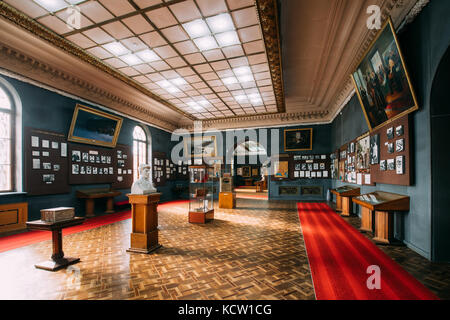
[[344, 197], [58, 260], [384, 205], [91, 194]]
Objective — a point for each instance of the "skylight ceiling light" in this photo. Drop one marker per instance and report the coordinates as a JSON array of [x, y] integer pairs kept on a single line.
[[178, 81], [164, 84], [203, 102], [240, 98], [206, 43], [220, 23], [52, 5], [241, 71], [148, 55], [227, 38], [131, 59], [172, 89], [230, 80], [116, 48], [194, 105], [196, 28], [246, 78]]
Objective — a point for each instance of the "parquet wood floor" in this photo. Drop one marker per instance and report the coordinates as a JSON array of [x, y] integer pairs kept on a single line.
[[253, 252]]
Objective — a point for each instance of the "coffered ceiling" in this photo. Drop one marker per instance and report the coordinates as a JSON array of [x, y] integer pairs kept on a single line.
[[229, 63]]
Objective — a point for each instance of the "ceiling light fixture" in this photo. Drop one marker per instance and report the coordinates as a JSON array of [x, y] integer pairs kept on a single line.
[[172, 89], [164, 84], [227, 38], [246, 78], [220, 23], [229, 80], [196, 28], [178, 81], [240, 98], [52, 5], [203, 102], [116, 48], [131, 59], [205, 43], [148, 55], [242, 71]]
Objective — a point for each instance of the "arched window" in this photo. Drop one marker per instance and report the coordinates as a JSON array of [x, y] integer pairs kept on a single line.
[[7, 133], [140, 147]]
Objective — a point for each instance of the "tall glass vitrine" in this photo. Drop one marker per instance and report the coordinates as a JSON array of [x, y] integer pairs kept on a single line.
[[201, 194]]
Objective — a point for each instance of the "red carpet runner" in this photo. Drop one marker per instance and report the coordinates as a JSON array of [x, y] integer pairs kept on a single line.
[[339, 257], [30, 237]]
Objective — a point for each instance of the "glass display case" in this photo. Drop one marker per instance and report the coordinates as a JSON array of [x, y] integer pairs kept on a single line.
[[201, 194]]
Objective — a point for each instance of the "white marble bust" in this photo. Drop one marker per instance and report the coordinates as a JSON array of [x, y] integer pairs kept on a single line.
[[144, 184]]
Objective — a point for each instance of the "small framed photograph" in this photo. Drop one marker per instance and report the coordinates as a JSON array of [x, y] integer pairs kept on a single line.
[[120, 179], [94, 170], [45, 154], [316, 166], [322, 166], [390, 133], [119, 154], [125, 156], [111, 170], [390, 147], [76, 156], [36, 164], [100, 170], [82, 170], [63, 149], [47, 166], [391, 164], [36, 154], [55, 145], [313, 174], [75, 169], [400, 145], [91, 159], [56, 167], [297, 166], [48, 178], [296, 174], [302, 174], [319, 174], [383, 165], [35, 142], [85, 157], [400, 164], [103, 159], [399, 131], [97, 159], [304, 167], [88, 170], [108, 159], [45, 144]]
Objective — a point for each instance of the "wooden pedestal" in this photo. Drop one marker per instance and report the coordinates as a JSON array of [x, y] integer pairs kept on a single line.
[[227, 200], [367, 221], [144, 214], [347, 206], [338, 203], [201, 217], [384, 227]]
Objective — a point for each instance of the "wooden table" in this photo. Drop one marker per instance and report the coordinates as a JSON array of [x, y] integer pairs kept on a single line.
[[91, 194], [58, 260], [384, 204], [344, 197]]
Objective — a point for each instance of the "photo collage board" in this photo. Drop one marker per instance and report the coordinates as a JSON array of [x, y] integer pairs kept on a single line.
[[46, 164], [382, 156], [160, 174], [301, 166], [92, 164]]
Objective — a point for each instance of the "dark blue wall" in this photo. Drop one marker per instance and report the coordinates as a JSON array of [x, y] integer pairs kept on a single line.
[[423, 43], [47, 110]]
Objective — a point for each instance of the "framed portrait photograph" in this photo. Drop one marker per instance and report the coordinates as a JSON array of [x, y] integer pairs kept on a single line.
[[382, 81], [205, 146], [298, 139], [363, 153], [374, 149], [246, 172], [400, 145]]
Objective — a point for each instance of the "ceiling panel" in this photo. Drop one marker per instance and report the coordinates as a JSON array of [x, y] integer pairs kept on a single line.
[[205, 57]]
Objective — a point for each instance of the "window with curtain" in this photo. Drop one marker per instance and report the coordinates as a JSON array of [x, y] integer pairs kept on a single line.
[[140, 147], [6, 142]]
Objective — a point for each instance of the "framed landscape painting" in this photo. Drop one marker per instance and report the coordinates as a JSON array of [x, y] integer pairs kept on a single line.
[[382, 81], [298, 139]]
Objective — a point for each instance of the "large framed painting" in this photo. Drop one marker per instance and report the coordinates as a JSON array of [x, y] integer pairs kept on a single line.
[[382, 81], [205, 146], [298, 139], [91, 126], [281, 169]]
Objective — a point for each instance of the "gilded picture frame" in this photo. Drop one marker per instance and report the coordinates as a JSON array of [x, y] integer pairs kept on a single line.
[[85, 119], [202, 146], [385, 94], [298, 139]]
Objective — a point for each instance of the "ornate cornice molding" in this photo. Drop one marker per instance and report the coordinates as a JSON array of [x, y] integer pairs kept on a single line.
[[268, 17], [418, 7], [274, 119], [28, 67], [37, 29]]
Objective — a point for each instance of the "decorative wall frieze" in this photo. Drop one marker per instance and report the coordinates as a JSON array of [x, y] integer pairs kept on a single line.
[[274, 119], [28, 67], [35, 28], [268, 17]]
